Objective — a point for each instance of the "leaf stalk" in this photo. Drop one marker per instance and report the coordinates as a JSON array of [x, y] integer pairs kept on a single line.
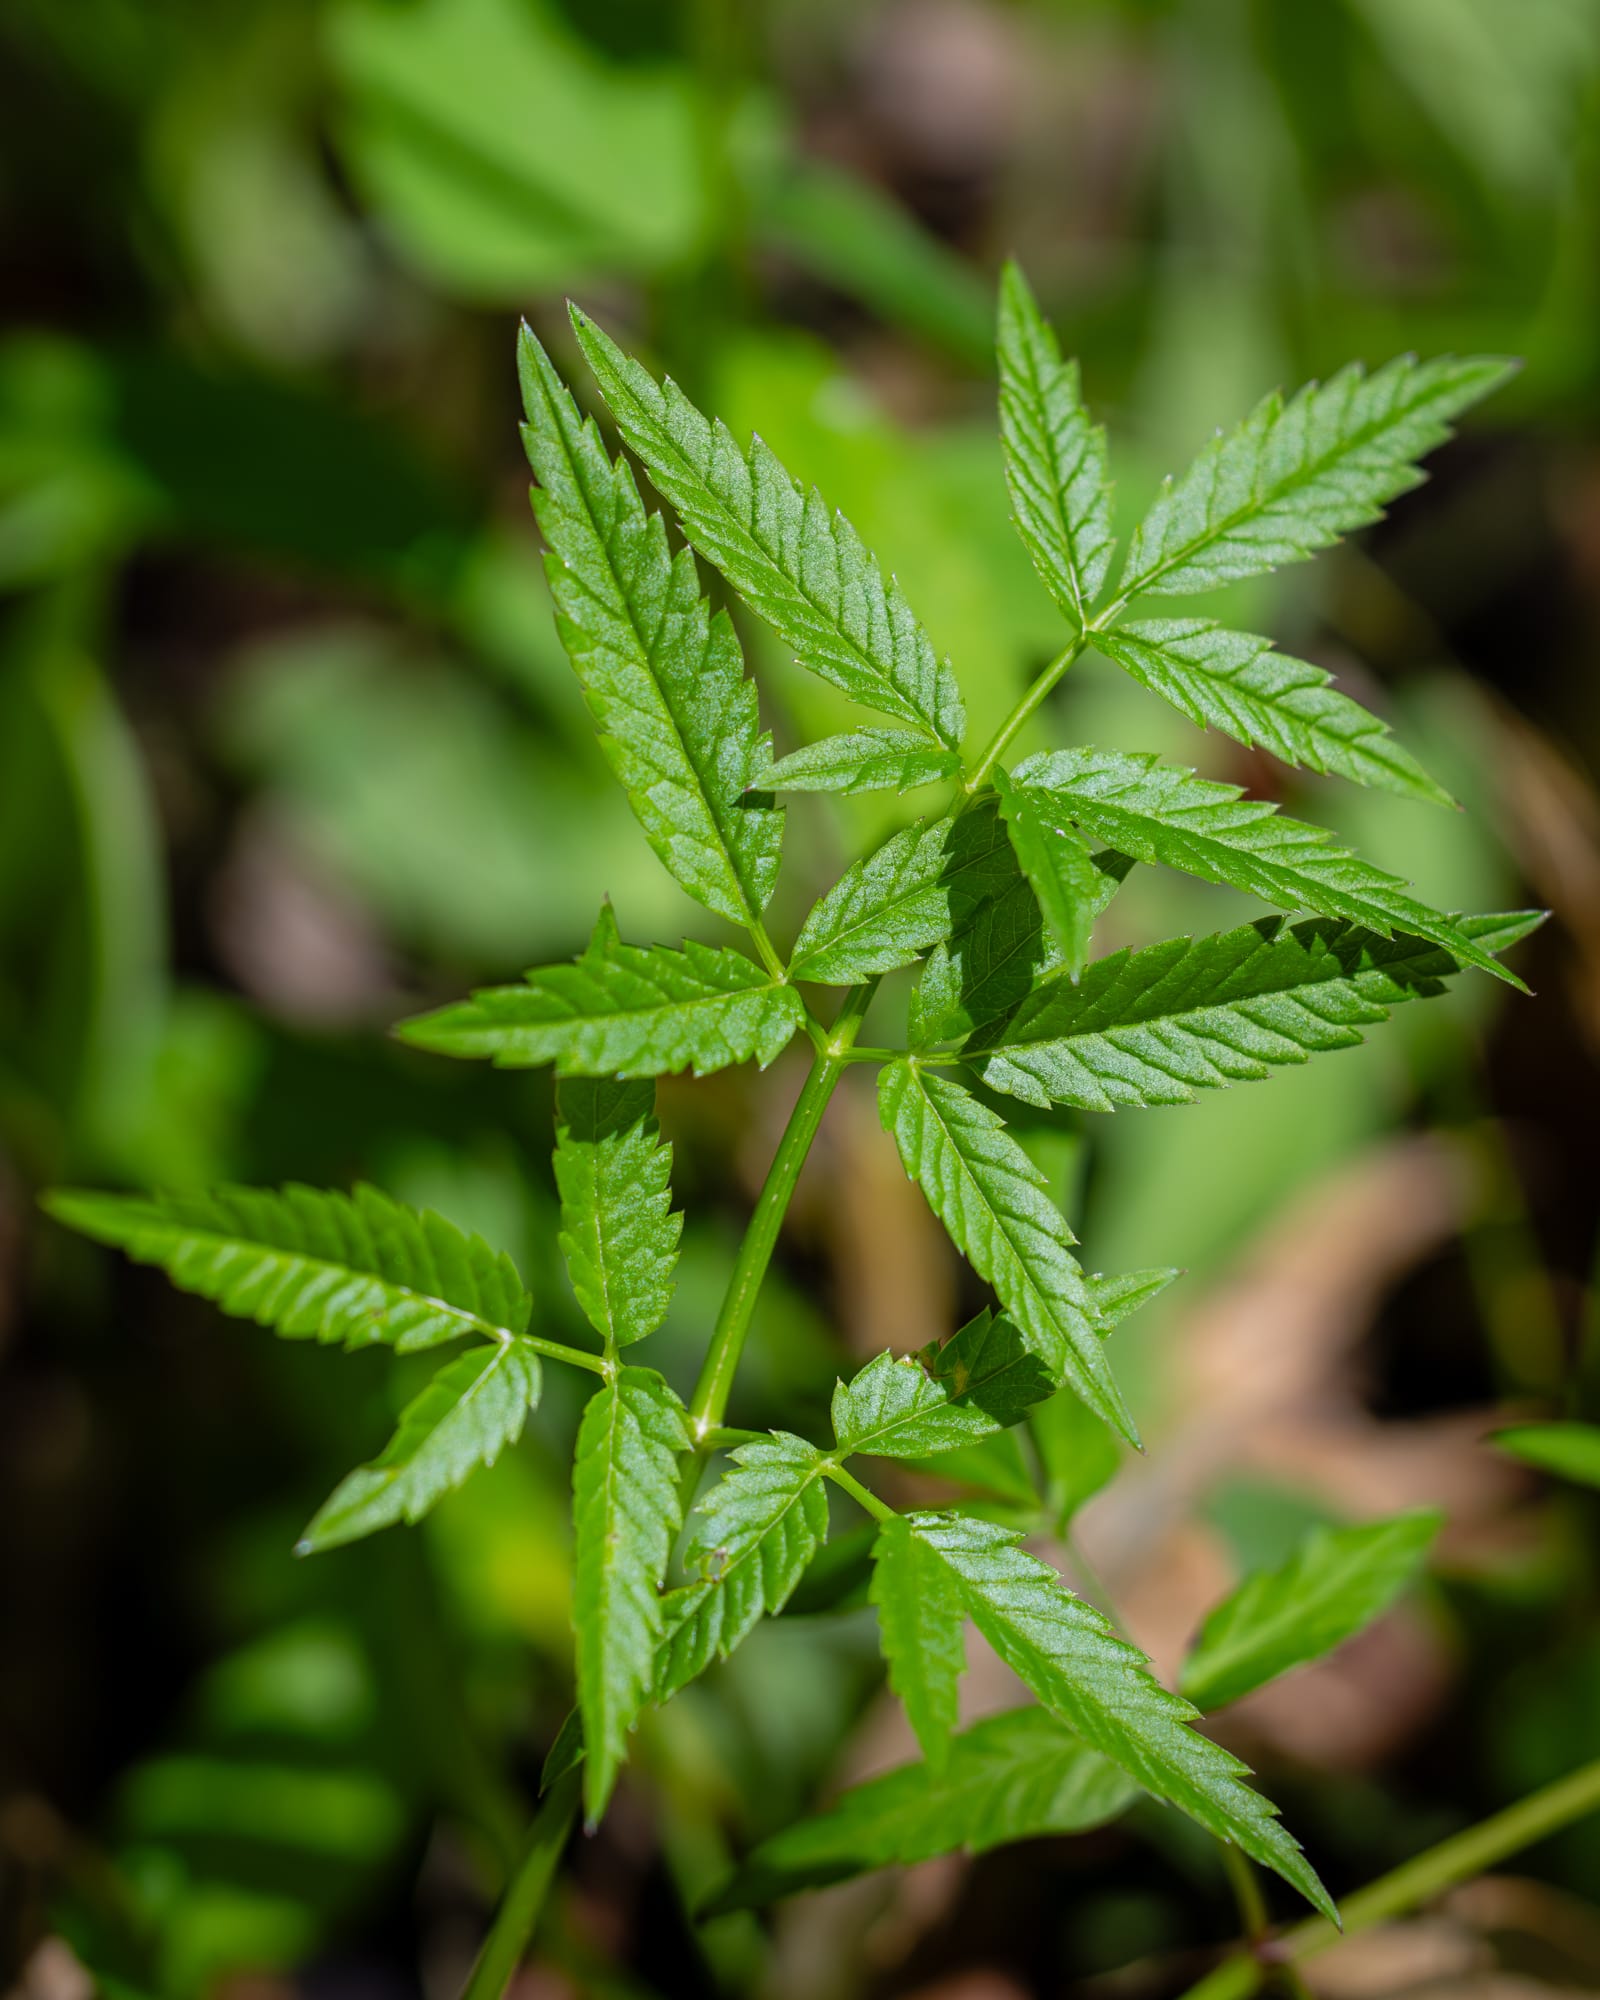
[[1458, 1859]]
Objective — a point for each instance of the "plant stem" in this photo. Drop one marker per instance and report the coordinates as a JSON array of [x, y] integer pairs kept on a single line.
[[760, 1238], [575, 1357], [880, 1510], [1024, 708], [1246, 1892], [1414, 1882], [512, 1929]]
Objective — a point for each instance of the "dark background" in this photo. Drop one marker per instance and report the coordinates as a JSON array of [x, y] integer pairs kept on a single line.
[[288, 749]]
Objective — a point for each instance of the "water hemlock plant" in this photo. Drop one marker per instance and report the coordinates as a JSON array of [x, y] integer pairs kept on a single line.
[[687, 1534]]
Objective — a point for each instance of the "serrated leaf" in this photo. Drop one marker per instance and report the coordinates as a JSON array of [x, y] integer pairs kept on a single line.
[[619, 1234], [981, 1380], [664, 680], [991, 1199], [1060, 869], [997, 955], [864, 760], [1335, 1585], [794, 560], [1156, 1026], [1056, 464], [622, 1010], [755, 1532], [1238, 683], [917, 888], [472, 1409], [1010, 1777], [356, 1268], [1161, 812], [1117, 1298], [626, 1515], [921, 1630], [1293, 478], [1100, 1686], [1572, 1451]]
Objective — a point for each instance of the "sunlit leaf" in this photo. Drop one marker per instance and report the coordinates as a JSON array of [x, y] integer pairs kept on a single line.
[[356, 1268]]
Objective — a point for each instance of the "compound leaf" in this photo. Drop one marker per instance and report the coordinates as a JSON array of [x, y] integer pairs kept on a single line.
[[619, 1234], [864, 760], [664, 680], [921, 1629], [1070, 889], [1100, 1686], [1160, 812], [1572, 1451], [754, 1534], [472, 1409], [982, 1380], [626, 1516], [795, 561], [356, 1268], [1337, 1582], [1010, 1777], [1156, 1026], [990, 1197], [1056, 466], [1293, 478], [622, 1010], [1238, 683]]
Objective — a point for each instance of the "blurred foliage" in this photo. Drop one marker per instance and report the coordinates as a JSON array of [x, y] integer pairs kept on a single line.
[[287, 747]]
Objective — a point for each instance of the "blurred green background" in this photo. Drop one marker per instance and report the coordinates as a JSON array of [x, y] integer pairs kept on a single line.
[[288, 749]]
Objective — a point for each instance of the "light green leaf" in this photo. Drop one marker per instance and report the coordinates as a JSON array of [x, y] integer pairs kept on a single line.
[[504, 155], [1061, 871], [917, 888], [622, 1010], [990, 1197], [865, 760], [472, 1409], [1190, 1014], [794, 560], [1338, 1581], [1010, 1777], [1097, 1684], [619, 1235], [1572, 1451], [1291, 479], [1116, 1299], [1237, 683], [921, 1629], [664, 680], [1056, 466], [626, 1515], [355, 1268], [1160, 812], [993, 1467], [982, 1380], [754, 1534]]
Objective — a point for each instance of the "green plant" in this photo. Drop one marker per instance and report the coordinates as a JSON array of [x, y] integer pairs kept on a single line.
[[994, 899]]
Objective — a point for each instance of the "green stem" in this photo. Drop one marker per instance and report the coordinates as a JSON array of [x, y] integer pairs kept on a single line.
[[1415, 1882], [575, 1357], [880, 1510], [512, 1929], [1246, 1892], [1019, 715], [761, 1237]]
